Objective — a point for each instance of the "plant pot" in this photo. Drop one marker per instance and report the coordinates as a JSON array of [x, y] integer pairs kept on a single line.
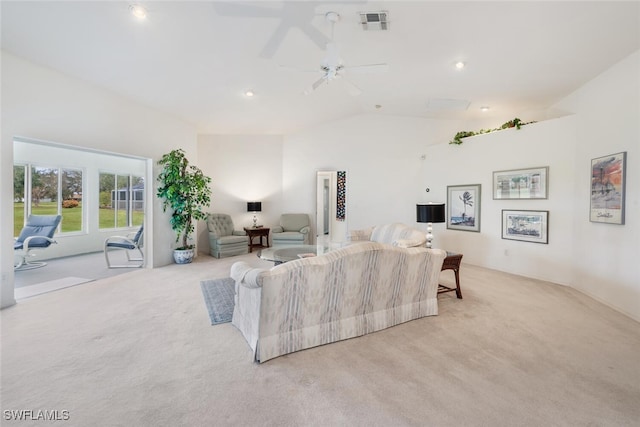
[[183, 256]]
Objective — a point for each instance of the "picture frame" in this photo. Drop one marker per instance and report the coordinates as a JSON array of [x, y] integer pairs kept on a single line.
[[531, 183], [463, 207], [608, 185], [525, 225]]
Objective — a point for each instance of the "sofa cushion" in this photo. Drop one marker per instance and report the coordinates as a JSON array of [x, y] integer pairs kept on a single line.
[[229, 240], [290, 235], [396, 234], [409, 243]]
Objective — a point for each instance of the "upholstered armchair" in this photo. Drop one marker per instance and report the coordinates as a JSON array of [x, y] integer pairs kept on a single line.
[[293, 230], [224, 241], [395, 234]]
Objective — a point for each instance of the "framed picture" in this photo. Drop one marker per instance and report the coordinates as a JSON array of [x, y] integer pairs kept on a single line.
[[463, 207], [521, 183], [527, 226], [608, 188]]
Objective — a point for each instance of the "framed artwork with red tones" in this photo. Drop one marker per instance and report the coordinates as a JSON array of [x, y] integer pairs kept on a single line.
[[608, 188]]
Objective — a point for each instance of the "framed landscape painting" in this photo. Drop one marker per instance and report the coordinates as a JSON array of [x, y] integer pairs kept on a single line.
[[463, 207], [521, 183], [527, 226], [608, 188]]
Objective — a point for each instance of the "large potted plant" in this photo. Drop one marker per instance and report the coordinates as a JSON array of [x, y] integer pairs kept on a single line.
[[184, 189]]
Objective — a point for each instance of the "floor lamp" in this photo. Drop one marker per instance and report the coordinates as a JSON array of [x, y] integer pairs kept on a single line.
[[254, 207], [433, 212]]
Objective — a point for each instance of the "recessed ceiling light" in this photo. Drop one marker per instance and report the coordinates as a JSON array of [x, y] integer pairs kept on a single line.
[[484, 108], [249, 93], [138, 11], [460, 65]]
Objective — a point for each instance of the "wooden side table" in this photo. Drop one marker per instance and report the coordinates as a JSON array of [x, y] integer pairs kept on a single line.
[[257, 232], [452, 262]]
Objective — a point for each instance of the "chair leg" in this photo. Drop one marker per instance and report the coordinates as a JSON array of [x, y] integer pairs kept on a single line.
[[23, 263], [139, 261]]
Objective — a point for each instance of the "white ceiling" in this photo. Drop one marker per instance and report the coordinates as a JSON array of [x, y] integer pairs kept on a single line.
[[196, 59]]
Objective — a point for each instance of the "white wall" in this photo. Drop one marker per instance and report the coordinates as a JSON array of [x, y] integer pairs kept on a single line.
[[243, 168], [473, 163], [605, 257], [598, 259], [381, 155], [40, 103]]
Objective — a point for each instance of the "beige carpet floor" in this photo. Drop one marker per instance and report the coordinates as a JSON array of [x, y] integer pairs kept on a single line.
[[138, 350]]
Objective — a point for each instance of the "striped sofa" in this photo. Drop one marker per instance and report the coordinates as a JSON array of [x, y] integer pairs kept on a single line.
[[396, 234], [342, 294]]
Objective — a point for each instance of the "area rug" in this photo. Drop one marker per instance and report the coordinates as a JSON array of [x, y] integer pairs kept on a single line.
[[218, 296]]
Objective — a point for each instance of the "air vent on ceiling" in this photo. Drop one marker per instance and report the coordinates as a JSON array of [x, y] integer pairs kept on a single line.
[[374, 20]]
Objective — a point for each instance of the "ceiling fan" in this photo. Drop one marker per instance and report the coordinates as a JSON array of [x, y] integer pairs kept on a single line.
[[332, 66]]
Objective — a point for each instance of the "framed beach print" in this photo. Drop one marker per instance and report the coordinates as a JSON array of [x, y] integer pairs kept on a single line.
[[521, 183], [527, 226], [463, 207], [608, 188]]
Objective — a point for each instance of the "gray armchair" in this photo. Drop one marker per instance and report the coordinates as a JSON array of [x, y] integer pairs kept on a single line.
[[293, 230], [224, 241]]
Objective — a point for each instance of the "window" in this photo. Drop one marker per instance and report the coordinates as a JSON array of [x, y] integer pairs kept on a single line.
[[71, 189], [121, 200], [47, 190], [19, 191]]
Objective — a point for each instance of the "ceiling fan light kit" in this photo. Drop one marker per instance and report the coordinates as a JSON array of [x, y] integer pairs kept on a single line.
[[332, 66]]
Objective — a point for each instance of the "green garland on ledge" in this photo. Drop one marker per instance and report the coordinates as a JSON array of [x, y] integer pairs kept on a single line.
[[515, 123]]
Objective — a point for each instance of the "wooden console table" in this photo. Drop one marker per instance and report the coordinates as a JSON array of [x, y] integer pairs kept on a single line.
[[452, 262], [257, 232]]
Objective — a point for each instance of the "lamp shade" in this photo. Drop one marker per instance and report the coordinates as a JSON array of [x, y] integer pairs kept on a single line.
[[254, 206], [433, 212]]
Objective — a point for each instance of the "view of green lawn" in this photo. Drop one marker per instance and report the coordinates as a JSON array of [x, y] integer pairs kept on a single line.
[[72, 217]]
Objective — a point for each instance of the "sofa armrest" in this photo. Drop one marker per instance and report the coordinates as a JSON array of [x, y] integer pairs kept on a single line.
[[305, 230], [246, 275], [408, 243], [277, 229], [239, 233], [360, 235]]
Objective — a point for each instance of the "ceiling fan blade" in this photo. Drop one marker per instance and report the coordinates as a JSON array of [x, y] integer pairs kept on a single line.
[[314, 34], [274, 42], [299, 70], [352, 89], [315, 85], [369, 68]]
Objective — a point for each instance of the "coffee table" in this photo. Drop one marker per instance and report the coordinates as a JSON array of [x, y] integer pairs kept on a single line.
[[281, 254]]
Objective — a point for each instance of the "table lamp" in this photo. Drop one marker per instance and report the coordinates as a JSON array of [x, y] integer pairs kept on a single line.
[[433, 212], [254, 207]]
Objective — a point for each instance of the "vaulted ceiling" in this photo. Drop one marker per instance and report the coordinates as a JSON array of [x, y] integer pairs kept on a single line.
[[197, 59]]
